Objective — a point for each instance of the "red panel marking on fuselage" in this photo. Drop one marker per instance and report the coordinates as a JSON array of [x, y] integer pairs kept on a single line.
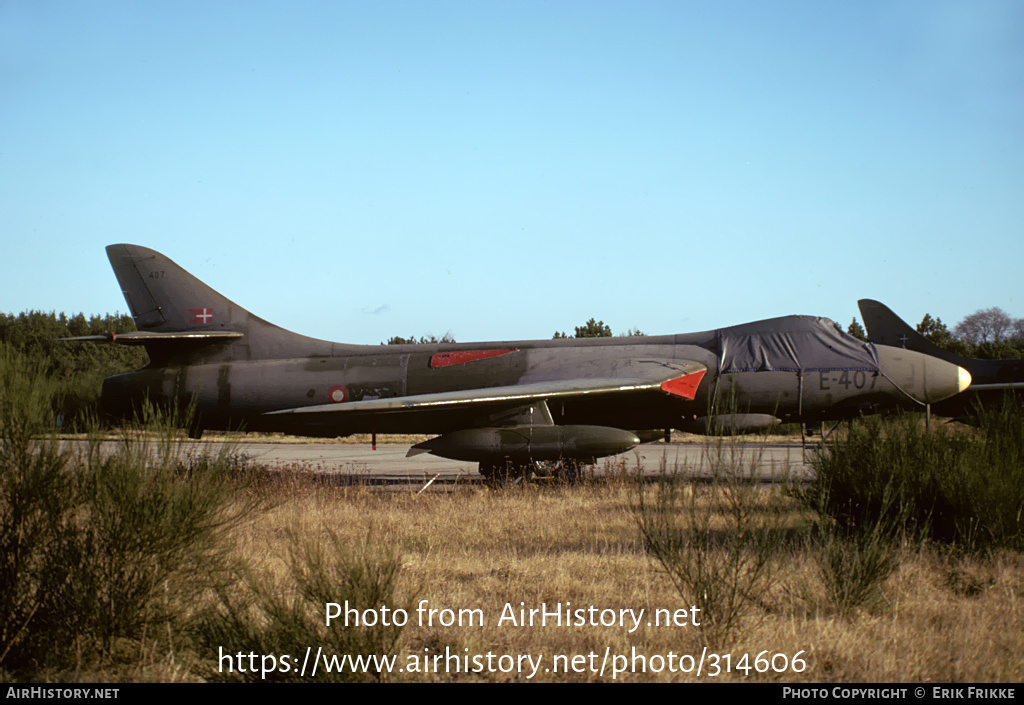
[[457, 358], [685, 386]]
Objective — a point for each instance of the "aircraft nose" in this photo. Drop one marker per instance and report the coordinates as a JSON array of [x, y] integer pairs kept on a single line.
[[964, 379], [924, 378]]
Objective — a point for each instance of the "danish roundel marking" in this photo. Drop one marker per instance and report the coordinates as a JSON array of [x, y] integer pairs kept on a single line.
[[337, 394]]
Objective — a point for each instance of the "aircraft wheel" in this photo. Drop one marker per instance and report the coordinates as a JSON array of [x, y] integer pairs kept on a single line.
[[508, 474]]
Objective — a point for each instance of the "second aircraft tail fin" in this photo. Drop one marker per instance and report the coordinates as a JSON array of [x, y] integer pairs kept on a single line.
[[886, 328]]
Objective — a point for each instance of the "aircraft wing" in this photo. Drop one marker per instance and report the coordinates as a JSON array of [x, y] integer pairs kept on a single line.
[[677, 377]]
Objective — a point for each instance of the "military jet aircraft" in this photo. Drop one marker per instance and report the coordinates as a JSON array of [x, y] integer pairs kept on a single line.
[[506, 405], [992, 379]]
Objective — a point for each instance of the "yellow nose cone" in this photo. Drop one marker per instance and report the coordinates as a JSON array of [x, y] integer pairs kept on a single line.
[[965, 379]]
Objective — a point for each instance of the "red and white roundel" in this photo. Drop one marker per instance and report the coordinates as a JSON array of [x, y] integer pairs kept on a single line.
[[337, 394]]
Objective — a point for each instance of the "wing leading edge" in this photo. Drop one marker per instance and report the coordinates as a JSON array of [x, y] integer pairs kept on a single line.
[[677, 378]]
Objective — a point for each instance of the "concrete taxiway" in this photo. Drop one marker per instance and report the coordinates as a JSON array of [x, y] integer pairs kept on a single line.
[[387, 464]]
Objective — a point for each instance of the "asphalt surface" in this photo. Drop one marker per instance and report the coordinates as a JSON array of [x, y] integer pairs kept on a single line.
[[389, 461]]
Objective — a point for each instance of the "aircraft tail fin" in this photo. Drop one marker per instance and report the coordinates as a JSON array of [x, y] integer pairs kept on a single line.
[[163, 297], [187, 320], [886, 328]]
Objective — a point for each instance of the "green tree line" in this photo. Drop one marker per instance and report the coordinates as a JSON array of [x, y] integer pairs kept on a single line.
[[78, 368]]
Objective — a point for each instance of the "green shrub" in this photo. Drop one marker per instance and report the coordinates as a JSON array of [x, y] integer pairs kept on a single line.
[[98, 546], [38, 513], [964, 489]]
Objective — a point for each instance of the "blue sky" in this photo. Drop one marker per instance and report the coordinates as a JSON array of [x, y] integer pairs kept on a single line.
[[503, 170]]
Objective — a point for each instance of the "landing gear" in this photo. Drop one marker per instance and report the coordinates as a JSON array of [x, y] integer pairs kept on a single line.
[[508, 473], [567, 470]]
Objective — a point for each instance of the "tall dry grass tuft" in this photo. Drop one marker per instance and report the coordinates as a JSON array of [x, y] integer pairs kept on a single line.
[[719, 539], [265, 615], [854, 567], [854, 557]]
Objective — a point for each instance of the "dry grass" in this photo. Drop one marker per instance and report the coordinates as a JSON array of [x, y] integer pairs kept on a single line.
[[940, 619]]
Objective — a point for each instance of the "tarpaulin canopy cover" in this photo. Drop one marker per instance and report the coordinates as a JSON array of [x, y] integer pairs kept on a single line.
[[793, 343]]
